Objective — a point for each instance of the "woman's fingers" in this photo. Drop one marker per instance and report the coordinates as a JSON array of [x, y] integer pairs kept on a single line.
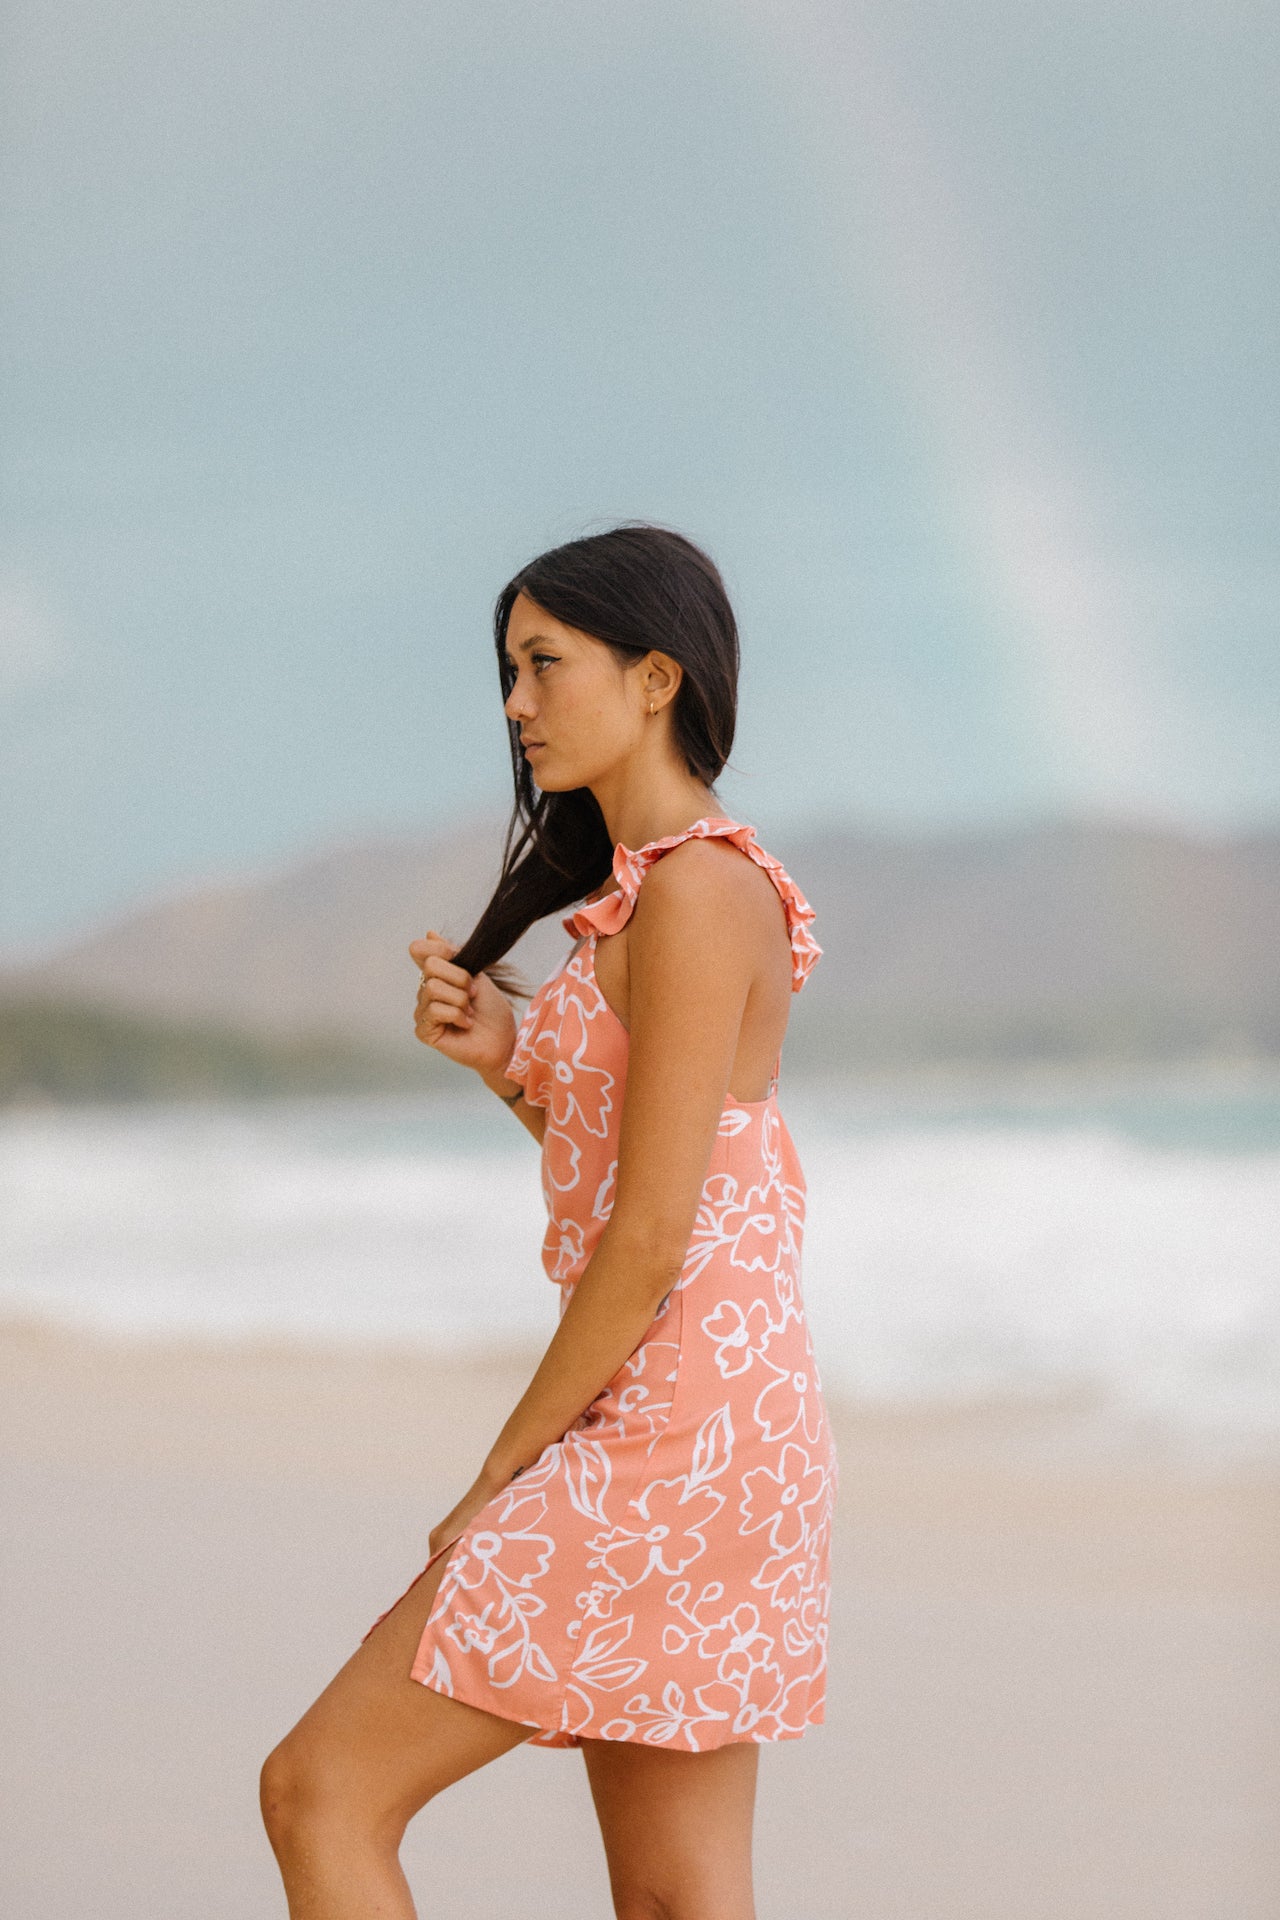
[[430, 1022], [447, 1016], [441, 1003], [447, 993], [431, 943], [430, 1026], [431, 958], [445, 990], [449, 1005]]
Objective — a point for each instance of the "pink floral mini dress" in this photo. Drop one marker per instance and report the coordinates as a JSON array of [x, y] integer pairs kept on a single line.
[[661, 1573]]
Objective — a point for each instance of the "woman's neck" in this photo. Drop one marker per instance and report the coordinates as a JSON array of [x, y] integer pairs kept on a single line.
[[635, 819]]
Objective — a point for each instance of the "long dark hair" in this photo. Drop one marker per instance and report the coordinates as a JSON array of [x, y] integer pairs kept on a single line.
[[636, 588]]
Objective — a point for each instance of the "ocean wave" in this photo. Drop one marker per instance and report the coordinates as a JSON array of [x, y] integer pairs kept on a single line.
[[942, 1262]]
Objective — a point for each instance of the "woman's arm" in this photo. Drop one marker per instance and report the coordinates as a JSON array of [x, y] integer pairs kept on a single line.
[[468, 1019], [690, 971]]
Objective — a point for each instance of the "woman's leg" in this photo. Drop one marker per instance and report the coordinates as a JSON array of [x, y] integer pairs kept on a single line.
[[340, 1789], [676, 1827]]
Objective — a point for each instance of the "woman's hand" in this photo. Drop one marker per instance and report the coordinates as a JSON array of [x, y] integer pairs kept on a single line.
[[463, 1015], [478, 1495]]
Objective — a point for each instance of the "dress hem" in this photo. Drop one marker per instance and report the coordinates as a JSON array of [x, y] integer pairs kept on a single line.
[[568, 1740]]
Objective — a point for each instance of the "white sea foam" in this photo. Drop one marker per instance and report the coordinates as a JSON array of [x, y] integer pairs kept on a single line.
[[942, 1260], [962, 1263], [235, 1222]]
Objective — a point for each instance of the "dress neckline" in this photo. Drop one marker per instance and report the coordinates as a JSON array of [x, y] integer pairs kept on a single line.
[[606, 913], [667, 840], [671, 839]]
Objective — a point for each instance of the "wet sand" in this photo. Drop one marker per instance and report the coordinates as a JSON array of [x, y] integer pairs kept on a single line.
[[1055, 1665]]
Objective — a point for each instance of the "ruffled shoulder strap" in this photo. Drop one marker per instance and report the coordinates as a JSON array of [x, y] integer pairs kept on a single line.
[[607, 913]]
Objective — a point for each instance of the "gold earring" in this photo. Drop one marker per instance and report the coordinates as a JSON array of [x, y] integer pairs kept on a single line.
[[651, 706]]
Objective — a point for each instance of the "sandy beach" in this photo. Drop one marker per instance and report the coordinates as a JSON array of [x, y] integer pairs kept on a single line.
[[1055, 1665]]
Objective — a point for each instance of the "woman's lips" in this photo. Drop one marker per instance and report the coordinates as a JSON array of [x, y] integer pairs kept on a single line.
[[533, 746]]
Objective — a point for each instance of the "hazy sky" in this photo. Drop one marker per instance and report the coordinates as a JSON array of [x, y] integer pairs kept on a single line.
[[949, 326]]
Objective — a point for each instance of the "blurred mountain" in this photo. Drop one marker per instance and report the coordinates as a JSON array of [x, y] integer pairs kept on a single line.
[[319, 947], [1061, 941]]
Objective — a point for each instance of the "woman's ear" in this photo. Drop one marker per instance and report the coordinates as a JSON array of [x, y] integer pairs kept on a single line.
[[661, 678]]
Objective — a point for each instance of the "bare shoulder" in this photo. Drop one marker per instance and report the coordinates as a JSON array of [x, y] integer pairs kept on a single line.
[[709, 886]]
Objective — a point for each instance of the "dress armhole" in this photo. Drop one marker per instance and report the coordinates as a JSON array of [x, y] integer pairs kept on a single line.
[[522, 1052]]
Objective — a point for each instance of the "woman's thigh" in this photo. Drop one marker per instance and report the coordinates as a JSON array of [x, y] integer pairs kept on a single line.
[[676, 1827], [376, 1744]]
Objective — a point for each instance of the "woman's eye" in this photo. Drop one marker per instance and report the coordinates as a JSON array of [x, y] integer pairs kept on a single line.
[[542, 659]]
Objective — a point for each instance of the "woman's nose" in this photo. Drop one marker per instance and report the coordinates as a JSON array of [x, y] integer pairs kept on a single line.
[[516, 705]]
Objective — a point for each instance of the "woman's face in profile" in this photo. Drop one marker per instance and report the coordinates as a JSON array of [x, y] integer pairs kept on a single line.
[[579, 709]]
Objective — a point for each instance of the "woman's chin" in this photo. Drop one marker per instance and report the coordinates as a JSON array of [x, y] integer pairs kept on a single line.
[[546, 781], [558, 777]]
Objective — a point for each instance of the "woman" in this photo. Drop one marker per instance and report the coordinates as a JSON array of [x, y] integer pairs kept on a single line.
[[640, 1568]]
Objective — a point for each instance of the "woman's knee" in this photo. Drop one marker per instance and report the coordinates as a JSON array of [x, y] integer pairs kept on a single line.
[[284, 1788], [312, 1786], [303, 1785], [641, 1903], [642, 1900]]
